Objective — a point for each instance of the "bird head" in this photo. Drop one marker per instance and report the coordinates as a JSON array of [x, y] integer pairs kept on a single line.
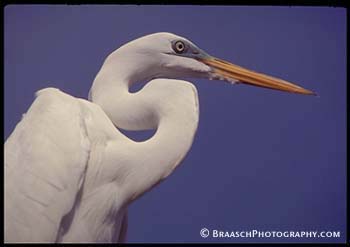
[[165, 55]]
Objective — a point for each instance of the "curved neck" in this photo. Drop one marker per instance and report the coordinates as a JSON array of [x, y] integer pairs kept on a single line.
[[110, 90], [170, 106]]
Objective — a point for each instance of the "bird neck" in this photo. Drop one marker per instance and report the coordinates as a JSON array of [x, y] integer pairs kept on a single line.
[[170, 106], [110, 90]]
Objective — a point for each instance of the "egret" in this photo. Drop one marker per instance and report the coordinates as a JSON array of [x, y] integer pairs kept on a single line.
[[70, 174]]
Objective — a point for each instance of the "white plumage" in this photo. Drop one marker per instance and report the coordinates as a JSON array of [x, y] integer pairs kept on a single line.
[[70, 173]]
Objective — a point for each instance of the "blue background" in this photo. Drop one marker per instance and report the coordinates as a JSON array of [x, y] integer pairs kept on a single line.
[[261, 159]]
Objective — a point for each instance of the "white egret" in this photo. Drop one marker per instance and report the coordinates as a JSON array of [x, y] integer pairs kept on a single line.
[[70, 174]]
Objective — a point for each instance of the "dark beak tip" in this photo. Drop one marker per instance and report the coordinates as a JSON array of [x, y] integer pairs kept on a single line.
[[313, 93]]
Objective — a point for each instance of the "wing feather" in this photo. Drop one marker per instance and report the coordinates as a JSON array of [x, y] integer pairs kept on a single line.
[[46, 158]]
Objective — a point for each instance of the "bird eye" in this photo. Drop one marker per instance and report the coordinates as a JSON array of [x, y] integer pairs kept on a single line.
[[179, 47]]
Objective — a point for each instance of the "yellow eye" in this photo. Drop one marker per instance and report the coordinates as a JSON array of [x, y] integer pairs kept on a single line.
[[179, 47]]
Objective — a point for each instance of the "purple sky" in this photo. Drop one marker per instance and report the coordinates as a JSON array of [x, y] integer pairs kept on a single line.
[[261, 159]]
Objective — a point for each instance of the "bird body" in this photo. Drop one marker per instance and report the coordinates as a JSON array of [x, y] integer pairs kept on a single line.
[[82, 186], [70, 174]]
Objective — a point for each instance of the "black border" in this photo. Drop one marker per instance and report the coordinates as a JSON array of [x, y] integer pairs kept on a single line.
[[291, 3]]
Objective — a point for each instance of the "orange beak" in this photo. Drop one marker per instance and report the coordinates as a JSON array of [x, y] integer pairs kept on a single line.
[[232, 72]]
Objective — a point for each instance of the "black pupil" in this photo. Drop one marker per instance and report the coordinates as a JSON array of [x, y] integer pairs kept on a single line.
[[180, 46]]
